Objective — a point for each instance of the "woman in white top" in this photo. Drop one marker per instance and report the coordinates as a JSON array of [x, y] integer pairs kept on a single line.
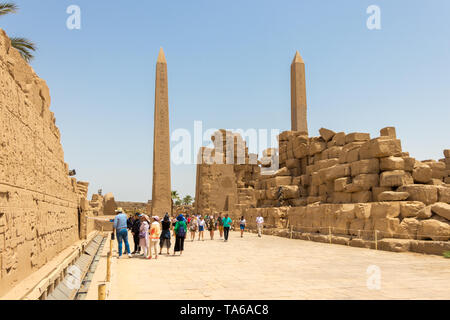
[[201, 228], [242, 224]]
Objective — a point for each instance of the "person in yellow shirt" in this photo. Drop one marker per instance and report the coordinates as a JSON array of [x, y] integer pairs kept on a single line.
[[155, 233]]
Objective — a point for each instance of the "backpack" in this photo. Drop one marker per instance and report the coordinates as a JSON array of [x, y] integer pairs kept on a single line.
[[181, 231]]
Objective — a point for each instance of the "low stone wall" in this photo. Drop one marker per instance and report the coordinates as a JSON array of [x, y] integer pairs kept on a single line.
[[397, 226]]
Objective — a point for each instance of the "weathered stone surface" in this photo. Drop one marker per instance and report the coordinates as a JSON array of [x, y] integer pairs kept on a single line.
[[393, 196], [356, 136], [444, 194], [422, 173], [388, 132], [363, 182], [424, 213], [326, 134], [442, 209], [38, 201], [109, 205], [362, 196], [365, 166], [394, 245], [385, 210], [434, 230], [423, 193], [410, 209], [408, 228], [380, 147], [392, 163], [395, 178]]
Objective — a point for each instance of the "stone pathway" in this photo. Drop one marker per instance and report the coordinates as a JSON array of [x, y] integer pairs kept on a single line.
[[279, 268]]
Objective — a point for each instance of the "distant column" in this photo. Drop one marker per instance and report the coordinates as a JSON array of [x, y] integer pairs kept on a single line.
[[161, 192], [298, 95]]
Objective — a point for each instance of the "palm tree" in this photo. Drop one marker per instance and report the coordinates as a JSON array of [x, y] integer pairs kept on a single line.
[[175, 195], [187, 200], [24, 46]]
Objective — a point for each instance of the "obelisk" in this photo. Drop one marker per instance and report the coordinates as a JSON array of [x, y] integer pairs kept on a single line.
[[298, 95], [161, 192]]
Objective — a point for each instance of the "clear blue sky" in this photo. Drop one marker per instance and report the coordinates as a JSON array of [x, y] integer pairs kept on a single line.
[[229, 66]]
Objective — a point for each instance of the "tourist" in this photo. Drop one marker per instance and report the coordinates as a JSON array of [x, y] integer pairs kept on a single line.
[[165, 234], [211, 226], [201, 228], [242, 224], [143, 235], [220, 225], [180, 231], [259, 224], [120, 225], [174, 221], [135, 228], [193, 227], [155, 232], [226, 226]]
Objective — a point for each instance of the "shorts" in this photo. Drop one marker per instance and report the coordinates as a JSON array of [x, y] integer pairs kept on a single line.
[[201, 228], [242, 227]]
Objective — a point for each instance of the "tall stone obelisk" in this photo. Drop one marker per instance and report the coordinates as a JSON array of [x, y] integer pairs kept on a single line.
[[299, 120], [161, 192]]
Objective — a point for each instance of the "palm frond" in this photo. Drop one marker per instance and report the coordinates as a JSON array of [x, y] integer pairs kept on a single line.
[[7, 7], [25, 47]]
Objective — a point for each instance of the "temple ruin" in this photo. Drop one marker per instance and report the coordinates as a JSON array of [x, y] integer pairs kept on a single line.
[[345, 188]]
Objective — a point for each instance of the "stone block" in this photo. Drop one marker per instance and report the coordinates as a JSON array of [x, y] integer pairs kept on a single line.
[[422, 173], [356, 136], [388, 132], [341, 183], [316, 147], [361, 196], [365, 166], [441, 209], [433, 229], [394, 245], [423, 193], [326, 134], [386, 227], [444, 194], [395, 178], [363, 182], [393, 196], [376, 191], [392, 163], [408, 228], [385, 210], [410, 209], [380, 148], [342, 197], [447, 153]]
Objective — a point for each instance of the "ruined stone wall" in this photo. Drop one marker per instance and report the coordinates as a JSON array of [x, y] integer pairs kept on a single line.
[[38, 201], [226, 176], [353, 186]]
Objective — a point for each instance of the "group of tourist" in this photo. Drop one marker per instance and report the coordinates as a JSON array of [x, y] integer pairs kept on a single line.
[[147, 232]]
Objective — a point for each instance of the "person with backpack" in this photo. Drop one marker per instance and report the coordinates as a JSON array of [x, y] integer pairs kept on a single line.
[[135, 229], [180, 234], [226, 226], [193, 227], [220, 225], [211, 226], [165, 234]]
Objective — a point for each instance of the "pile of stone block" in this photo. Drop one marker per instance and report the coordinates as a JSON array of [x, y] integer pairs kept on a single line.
[[351, 185]]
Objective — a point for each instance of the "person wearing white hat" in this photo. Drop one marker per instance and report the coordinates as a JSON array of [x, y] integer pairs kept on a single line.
[[155, 232], [120, 225], [143, 234]]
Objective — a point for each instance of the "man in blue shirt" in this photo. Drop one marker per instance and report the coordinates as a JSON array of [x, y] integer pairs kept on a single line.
[[120, 225]]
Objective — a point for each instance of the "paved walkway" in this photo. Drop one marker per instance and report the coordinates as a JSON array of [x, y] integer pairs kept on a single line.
[[279, 268]]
